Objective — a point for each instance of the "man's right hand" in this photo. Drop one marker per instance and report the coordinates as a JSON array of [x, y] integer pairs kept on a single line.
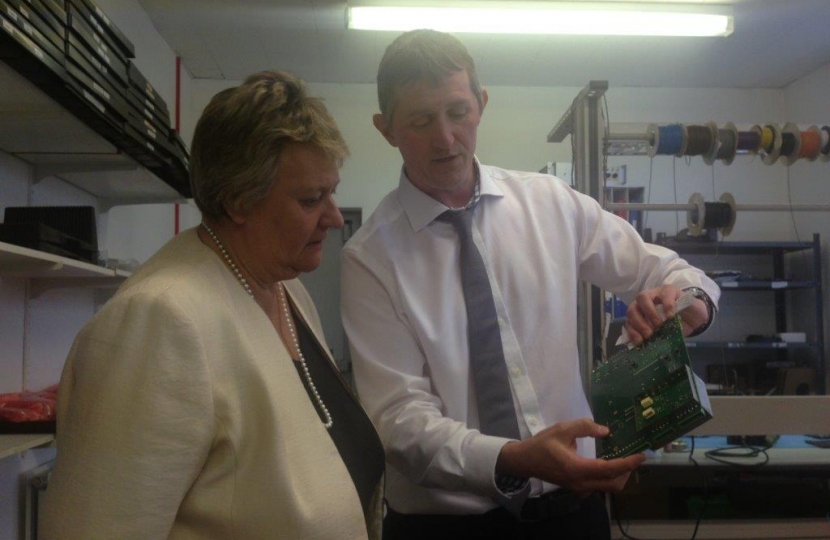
[[551, 456]]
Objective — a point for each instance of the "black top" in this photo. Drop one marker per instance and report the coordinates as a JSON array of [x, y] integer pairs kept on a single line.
[[352, 431]]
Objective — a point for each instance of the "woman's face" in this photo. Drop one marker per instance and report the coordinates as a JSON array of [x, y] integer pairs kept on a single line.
[[285, 231]]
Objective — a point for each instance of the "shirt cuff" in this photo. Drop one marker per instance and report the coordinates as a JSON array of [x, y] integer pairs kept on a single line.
[[481, 461]]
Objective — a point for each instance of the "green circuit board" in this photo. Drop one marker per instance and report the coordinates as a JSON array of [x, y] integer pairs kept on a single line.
[[648, 396]]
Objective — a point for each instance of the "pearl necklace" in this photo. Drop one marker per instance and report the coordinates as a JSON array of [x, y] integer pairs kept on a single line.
[[284, 304]]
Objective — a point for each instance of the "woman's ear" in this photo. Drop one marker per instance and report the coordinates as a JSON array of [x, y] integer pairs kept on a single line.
[[234, 214]]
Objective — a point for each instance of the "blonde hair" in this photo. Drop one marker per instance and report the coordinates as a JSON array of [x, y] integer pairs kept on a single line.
[[242, 132]]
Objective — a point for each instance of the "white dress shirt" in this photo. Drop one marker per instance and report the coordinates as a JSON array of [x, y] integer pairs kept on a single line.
[[403, 311]]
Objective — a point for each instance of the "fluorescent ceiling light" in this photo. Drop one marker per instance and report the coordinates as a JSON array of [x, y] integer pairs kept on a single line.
[[587, 18]]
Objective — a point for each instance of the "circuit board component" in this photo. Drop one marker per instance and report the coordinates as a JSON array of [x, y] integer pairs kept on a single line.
[[648, 396]]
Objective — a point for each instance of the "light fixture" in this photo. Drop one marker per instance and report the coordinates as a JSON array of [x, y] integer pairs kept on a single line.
[[586, 18]]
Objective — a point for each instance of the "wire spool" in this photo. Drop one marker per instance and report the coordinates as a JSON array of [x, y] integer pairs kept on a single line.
[[712, 153], [666, 140], [711, 215], [810, 144], [749, 142], [653, 138], [770, 143], [824, 153], [696, 217], [790, 143], [716, 216], [727, 143], [699, 140]]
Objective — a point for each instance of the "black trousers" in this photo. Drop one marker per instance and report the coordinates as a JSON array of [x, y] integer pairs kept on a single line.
[[587, 521]]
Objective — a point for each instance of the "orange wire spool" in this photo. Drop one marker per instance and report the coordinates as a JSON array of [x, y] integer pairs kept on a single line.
[[810, 143]]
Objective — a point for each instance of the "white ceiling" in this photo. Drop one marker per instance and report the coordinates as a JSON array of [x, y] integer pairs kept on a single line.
[[774, 43]]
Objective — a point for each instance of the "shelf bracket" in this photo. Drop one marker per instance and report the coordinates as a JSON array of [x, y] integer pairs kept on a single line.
[[41, 285], [47, 170]]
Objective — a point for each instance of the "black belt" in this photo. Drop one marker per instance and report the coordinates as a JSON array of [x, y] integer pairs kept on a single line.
[[557, 503]]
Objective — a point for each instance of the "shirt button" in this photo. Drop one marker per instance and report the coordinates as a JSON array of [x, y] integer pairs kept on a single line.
[[516, 370], [532, 421]]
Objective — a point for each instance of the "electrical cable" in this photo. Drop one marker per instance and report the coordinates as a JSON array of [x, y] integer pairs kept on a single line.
[[670, 140], [624, 532], [810, 144], [749, 141], [727, 145], [717, 215], [792, 217], [705, 488], [727, 453], [767, 138], [788, 144], [648, 197], [674, 182], [699, 140]]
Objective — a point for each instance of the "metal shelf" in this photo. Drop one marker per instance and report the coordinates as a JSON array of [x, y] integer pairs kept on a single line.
[[736, 248], [14, 444], [41, 131], [48, 271], [749, 345], [766, 285]]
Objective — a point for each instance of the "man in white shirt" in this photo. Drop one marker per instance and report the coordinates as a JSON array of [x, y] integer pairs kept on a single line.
[[404, 313]]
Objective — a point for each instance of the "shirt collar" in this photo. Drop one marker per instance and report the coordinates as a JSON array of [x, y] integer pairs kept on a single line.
[[421, 209]]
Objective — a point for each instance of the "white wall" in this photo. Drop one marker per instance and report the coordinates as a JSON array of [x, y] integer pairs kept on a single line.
[[51, 321], [515, 126]]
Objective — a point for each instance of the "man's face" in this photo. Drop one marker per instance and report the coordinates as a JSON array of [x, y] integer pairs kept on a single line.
[[434, 127]]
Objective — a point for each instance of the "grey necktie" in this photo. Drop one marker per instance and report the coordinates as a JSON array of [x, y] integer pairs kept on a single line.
[[497, 416]]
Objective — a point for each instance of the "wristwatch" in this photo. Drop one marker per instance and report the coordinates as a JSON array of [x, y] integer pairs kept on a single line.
[[697, 292]]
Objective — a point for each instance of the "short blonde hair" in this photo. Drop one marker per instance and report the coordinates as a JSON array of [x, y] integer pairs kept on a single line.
[[240, 136]]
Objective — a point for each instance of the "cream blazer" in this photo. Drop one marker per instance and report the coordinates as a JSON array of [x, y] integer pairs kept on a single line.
[[182, 417]]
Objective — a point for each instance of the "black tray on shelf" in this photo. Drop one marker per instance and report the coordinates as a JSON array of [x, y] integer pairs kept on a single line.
[[85, 39], [144, 105], [53, 11], [44, 9], [27, 57], [32, 32], [22, 428], [98, 20], [142, 86], [42, 20]]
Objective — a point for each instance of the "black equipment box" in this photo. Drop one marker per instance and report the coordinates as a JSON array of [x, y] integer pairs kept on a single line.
[[68, 231]]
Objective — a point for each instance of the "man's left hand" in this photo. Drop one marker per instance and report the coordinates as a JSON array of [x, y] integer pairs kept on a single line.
[[643, 317]]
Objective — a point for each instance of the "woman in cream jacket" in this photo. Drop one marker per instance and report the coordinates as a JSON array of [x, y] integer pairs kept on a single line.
[[201, 402]]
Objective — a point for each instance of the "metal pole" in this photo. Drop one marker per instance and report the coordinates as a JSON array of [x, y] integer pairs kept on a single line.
[[582, 122], [738, 207]]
